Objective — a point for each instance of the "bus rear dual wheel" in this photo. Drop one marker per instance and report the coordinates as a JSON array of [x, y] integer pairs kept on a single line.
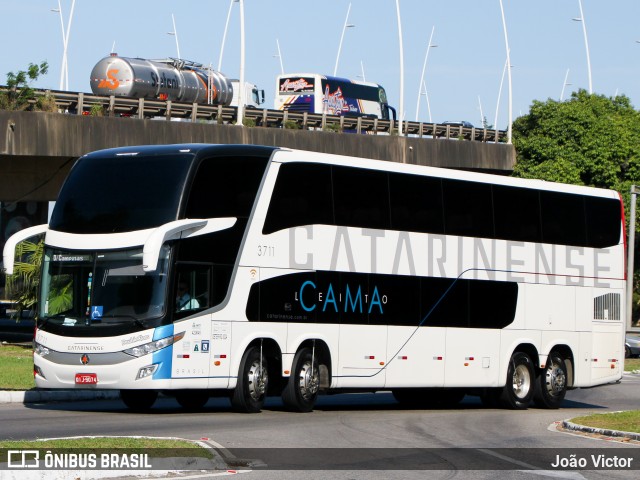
[[299, 394], [301, 391], [551, 386], [546, 390]]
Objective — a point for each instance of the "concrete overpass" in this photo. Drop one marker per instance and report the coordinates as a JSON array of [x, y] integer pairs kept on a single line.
[[37, 149]]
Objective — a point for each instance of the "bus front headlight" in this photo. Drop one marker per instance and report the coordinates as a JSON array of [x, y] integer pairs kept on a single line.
[[152, 347], [40, 349]]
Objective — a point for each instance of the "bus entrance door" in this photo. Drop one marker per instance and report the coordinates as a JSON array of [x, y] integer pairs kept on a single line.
[[191, 355]]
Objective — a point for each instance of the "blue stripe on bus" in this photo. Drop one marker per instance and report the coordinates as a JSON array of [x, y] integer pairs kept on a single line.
[[163, 358]]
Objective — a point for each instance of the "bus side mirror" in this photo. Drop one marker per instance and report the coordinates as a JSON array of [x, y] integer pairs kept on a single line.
[[9, 251]]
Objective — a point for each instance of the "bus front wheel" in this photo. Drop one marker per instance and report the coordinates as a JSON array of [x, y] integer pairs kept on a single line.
[[301, 391], [551, 386], [253, 381], [138, 400], [518, 391]]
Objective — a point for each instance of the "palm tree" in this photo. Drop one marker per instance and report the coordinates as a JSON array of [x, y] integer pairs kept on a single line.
[[22, 286]]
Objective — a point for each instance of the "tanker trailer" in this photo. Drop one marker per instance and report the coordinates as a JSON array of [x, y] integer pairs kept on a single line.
[[171, 79]]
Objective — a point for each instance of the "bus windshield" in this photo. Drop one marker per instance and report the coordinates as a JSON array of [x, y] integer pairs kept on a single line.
[[100, 289], [112, 194]]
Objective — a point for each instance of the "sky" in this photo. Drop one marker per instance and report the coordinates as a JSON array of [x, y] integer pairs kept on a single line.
[[464, 71]]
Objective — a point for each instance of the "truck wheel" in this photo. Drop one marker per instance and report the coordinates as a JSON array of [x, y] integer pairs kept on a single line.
[[518, 391], [253, 381], [301, 391], [551, 386], [139, 400]]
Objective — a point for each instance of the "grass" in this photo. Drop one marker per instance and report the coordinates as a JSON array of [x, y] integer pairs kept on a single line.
[[623, 421], [17, 368], [101, 442], [631, 364]]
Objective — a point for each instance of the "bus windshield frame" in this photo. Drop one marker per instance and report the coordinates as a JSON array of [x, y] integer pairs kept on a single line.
[[102, 290]]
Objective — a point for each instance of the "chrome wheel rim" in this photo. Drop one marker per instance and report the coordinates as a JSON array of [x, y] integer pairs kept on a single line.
[[257, 378], [521, 381], [309, 382], [556, 380]]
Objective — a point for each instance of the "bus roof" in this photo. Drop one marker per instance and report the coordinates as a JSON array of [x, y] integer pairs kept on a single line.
[[287, 155]]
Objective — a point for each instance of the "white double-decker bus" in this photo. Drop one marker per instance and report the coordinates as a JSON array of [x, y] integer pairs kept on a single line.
[[201, 270]]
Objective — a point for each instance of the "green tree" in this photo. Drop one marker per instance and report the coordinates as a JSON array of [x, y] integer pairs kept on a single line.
[[22, 286], [589, 140], [19, 91]]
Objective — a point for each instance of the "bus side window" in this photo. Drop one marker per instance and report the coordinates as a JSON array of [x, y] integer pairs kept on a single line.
[[193, 287], [301, 196]]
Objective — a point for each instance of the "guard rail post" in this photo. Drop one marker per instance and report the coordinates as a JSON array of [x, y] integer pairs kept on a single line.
[[80, 104]]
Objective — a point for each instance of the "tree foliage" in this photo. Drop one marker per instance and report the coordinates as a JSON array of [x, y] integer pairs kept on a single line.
[[19, 90], [589, 140], [22, 286]]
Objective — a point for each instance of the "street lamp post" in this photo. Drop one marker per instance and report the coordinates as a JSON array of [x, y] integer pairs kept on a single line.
[[279, 55], [424, 69], [506, 41], [175, 34], [564, 84], [401, 109], [224, 35], [64, 69], [426, 96], [64, 44], [635, 190], [586, 43], [344, 29], [495, 119], [240, 118]]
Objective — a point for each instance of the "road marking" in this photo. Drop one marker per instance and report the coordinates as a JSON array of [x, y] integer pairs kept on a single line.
[[531, 468]]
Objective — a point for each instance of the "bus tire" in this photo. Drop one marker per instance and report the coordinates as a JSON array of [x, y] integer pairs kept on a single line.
[[253, 381], [192, 399], [301, 391], [138, 400], [551, 386], [519, 389]]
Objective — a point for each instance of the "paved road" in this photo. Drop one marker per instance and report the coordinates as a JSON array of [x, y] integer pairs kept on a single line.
[[362, 421]]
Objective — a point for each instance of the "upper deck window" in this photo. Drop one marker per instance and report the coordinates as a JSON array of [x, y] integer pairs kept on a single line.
[[112, 194]]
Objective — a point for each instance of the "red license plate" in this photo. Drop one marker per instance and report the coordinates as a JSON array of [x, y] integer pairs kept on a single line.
[[86, 378]]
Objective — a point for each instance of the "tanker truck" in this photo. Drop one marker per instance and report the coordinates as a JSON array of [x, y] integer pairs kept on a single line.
[[170, 79]]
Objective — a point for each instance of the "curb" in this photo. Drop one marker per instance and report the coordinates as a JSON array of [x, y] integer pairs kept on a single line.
[[600, 431], [37, 396]]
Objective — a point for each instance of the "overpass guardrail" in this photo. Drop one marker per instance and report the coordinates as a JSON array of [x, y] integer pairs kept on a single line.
[[84, 103]]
